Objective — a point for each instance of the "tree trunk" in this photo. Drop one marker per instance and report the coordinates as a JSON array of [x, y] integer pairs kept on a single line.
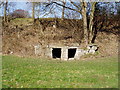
[[84, 16], [5, 11], [63, 10], [91, 21], [33, 10]]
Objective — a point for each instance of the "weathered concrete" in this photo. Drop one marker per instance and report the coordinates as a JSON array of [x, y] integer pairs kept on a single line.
[[47, 51], [79, 53], [37, 49], [64, 53], [92, 48]]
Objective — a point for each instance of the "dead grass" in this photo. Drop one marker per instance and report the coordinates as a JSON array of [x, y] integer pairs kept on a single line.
[[22, 36]]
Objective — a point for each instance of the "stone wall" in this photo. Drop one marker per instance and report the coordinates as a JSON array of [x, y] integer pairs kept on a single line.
[[46, 51]]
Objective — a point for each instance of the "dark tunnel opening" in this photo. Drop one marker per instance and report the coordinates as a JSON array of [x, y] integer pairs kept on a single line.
[[71, 52], [56, 53]]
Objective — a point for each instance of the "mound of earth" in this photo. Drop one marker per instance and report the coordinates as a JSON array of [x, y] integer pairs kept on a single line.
[[20, 36]]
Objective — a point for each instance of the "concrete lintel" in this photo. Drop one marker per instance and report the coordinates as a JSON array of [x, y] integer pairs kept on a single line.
[[72, 47], [55, 46]]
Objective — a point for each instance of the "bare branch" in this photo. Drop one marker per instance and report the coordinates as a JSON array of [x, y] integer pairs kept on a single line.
[[75, 5], [63, 6]]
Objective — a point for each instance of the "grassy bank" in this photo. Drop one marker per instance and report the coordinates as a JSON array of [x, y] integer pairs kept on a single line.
[[41, 73]]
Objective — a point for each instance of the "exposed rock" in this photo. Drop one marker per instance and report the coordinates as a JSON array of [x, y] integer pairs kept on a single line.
[[92, 48]]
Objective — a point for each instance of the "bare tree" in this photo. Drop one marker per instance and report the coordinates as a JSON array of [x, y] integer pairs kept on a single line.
[[19, 13], [82, 8], [84, 17], [63, 9], [5, 10], [82, 5], [91, 21], [33, 10]]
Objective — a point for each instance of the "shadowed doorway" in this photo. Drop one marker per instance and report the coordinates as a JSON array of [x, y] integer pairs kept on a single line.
[[71, 52], [56, 53]]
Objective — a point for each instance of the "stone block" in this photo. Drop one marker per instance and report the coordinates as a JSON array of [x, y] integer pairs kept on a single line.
[[37, 49], [64, 54]]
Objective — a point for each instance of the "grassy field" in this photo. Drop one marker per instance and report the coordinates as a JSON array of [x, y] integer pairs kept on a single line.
[[41, 73]]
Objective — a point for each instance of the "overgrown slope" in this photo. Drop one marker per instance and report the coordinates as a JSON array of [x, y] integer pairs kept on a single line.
[[20, 35]]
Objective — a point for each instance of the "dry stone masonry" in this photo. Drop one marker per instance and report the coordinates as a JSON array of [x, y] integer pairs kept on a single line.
[[64, 52]]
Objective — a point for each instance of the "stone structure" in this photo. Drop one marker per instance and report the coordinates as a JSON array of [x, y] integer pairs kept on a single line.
[[92, 48], [63, 52]]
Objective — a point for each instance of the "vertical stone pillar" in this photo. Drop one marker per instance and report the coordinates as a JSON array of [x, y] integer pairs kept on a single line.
[[37, 49], [76, 54], [64, 53], [48, 52], [79, 53]]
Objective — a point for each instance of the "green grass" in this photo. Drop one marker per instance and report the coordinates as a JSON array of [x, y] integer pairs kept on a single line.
[[21, 21], [25, 21], [42, 73]]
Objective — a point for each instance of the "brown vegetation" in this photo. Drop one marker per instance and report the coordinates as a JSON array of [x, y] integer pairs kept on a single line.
[[20, 38]]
